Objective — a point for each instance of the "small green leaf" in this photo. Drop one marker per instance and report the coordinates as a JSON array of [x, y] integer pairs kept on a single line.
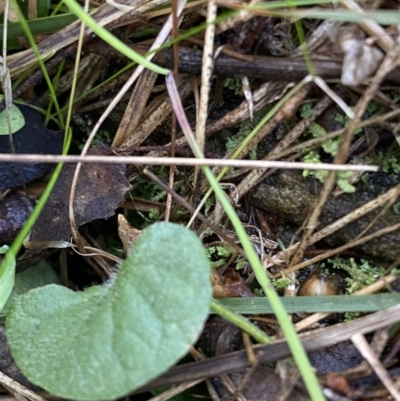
[[7, 277], [17, 120], [108, 340]]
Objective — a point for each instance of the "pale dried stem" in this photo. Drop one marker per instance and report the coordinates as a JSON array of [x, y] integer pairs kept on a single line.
[[314, 142], [365, 350], [74, 230], [154, 119], [356, 214], [386, 207], [378, 344], [242, 16], [103, 15], [174, 391], [135, 108], [208, 61], [180, 161], [19, 388]]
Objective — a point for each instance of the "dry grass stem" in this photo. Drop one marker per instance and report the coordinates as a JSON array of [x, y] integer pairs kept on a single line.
[[208, 61], [174, 391], [180, 161], [135, 108], [19, 389], [364, 348]]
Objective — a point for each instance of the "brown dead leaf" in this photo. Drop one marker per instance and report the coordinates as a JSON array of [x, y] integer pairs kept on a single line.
[[128, 234], [230, 286], [100, 190], [336, 382]]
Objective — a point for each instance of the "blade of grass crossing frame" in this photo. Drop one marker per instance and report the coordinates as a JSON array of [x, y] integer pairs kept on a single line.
[[287, 327]]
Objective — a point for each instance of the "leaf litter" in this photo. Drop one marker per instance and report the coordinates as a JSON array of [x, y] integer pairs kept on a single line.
[[100, 190]]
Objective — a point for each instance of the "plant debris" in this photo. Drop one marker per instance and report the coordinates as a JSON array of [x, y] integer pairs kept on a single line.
[[100, 190]]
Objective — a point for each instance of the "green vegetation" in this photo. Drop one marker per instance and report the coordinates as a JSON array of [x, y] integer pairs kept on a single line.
[[342, 177], [330, 146], [361, 274], [234, 84], [169, 271], [245, 129], [390, 160], [219, 255], [281, 283]]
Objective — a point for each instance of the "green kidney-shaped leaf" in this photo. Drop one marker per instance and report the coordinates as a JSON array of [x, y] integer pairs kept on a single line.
[[108, 340], [17, 120], [34, 277]]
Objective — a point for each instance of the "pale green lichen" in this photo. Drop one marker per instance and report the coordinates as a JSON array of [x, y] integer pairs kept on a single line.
[[361, 274], [219, 255], [331, 147], [390, 160], [234, 84], [305, 110], [245, 129], [281, 283], [396, 207], [241, 264]]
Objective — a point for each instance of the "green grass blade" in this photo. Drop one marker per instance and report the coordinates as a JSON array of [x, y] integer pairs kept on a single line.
[[287, 327], [326, 304], [39, 26], [32, 43], [240, 321], [108, 37]]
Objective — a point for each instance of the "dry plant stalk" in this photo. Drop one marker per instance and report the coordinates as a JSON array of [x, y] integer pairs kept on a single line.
[[18, 389], [365, 350], [135, 108]]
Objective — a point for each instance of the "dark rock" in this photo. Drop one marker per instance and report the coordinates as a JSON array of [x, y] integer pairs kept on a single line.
[[289, 195]]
